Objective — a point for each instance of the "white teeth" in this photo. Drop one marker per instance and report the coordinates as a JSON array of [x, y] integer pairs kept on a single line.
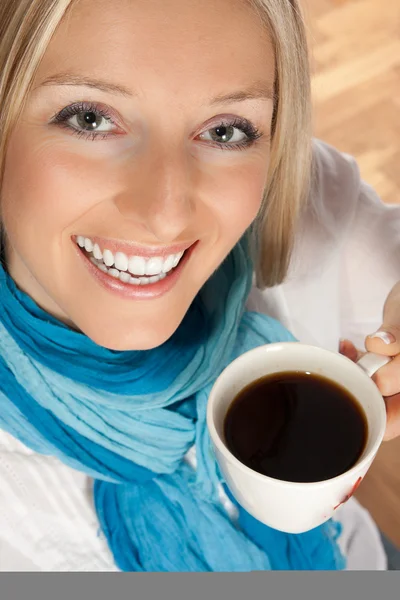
[[97, 253], [88, 245], [168, 263], [153, 279], [108, 258], [154, 266], [145, 271], [124, 277], [137, 265], [177, 259], [121, 261]]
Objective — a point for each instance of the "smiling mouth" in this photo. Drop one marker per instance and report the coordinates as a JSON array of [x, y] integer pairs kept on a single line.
[[129, 269]]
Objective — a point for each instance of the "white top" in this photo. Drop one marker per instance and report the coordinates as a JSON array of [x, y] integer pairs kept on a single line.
[[346, 261]]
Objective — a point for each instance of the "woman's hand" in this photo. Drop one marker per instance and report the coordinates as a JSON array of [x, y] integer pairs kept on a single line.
[[385, 341]]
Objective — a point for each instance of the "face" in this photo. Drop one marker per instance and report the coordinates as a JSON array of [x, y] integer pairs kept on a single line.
[[139, 161]]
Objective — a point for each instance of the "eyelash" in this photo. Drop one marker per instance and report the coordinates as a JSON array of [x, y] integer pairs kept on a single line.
[[61, 120], [252, 133]]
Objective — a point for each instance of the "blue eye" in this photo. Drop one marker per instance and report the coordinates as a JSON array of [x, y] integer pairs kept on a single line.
[[89, 121], [235, 135], [86, 120]]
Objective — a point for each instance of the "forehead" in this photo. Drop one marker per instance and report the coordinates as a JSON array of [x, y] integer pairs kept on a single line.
[[177, 44]]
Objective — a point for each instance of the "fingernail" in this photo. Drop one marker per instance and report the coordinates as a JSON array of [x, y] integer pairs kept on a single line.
[[386, 337]]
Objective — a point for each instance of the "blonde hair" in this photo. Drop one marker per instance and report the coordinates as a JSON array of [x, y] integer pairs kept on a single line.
[[289, 173], [26, 27]]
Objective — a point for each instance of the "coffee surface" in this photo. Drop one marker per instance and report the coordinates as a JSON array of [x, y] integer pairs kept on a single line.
[[296, 426]]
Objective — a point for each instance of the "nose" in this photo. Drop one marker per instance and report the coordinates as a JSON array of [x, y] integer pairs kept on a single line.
[[160, 195]]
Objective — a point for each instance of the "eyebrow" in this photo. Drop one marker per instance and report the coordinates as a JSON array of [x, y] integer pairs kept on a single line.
[[78, 80], [257, 91]]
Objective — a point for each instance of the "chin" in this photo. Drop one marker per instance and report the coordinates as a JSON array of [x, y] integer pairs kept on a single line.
[[129, 338]]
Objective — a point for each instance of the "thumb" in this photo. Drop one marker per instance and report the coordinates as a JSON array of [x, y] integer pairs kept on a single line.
[[387, 339]]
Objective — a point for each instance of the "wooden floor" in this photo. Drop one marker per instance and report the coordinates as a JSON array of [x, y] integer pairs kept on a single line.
[[356, 86]]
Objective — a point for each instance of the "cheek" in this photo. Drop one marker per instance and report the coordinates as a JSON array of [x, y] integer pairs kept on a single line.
[[48, 186], [235, 196]]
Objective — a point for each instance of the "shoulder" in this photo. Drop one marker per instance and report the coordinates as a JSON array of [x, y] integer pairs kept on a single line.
[[332, 164], [329, 211], [339, 199], [335, 186]]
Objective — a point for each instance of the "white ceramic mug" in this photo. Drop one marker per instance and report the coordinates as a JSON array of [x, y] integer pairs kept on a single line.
[[290, 506]]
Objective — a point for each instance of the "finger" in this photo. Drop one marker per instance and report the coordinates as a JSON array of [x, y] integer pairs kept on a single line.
[[388, 378], [393, 417], [383, 341], [348, 349], [387, 339]]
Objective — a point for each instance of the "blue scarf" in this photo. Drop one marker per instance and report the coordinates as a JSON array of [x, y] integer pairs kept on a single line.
[[128, 418]]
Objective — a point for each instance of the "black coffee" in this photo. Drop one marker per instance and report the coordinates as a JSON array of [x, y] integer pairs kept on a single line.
[[296, 426]]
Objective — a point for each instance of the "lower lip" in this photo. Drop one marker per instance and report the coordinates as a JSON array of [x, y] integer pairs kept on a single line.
[[141, 292]]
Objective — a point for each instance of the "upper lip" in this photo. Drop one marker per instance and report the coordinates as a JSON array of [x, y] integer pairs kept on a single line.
[[133, 249]]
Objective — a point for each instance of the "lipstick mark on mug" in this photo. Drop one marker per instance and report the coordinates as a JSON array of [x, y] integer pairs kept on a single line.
[[352, 492]]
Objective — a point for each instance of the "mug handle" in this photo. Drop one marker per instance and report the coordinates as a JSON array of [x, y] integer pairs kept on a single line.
[[371, 362]]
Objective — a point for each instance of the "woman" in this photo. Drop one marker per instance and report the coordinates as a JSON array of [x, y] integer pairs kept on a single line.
[[132, 132]]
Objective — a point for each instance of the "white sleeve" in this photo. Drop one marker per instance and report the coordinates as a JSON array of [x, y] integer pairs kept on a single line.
[[370, 265]]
